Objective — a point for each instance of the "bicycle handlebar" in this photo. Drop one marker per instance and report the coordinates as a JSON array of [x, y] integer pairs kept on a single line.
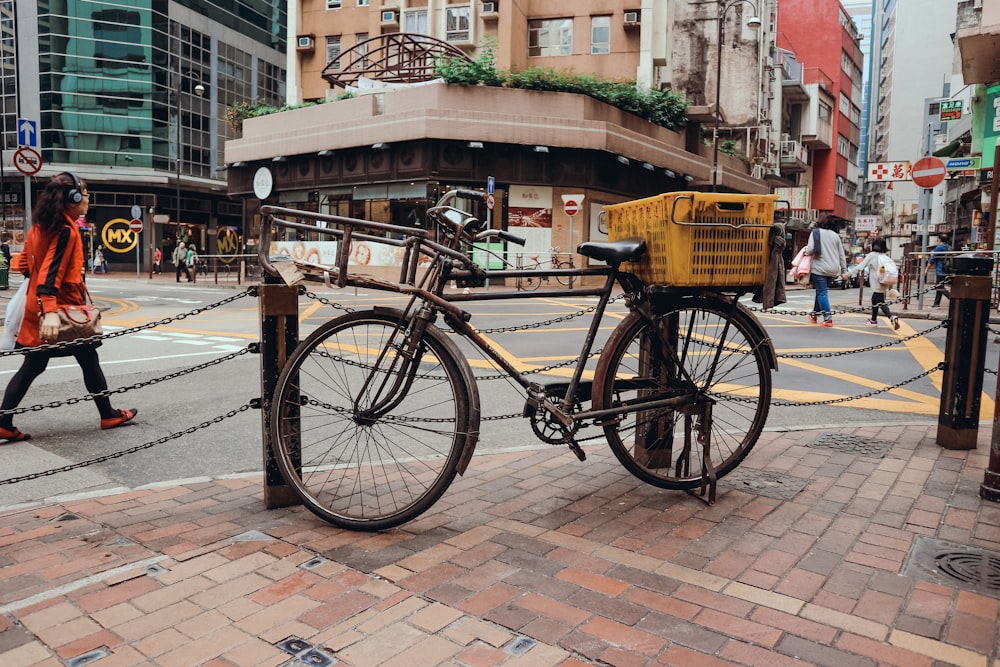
[[511, 238]]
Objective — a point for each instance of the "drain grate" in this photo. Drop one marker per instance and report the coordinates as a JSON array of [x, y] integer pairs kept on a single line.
[[956, 565], [852, 444], [764, 483]]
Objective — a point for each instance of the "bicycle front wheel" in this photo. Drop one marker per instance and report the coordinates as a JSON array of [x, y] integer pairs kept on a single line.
[[366, 440], [699, 347], [565, 281]]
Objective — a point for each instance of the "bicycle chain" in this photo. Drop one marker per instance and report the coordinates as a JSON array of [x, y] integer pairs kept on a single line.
[[125, 452], [121, 390], [124, 332]]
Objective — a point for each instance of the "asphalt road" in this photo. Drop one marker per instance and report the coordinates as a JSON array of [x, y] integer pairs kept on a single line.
[[197, 423]]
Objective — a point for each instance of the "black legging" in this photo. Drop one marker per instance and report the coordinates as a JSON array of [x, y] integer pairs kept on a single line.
[[878, 303], [33, 366]]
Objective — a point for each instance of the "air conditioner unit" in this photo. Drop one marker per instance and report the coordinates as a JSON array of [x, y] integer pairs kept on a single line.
[[773, 171], [785, 136], [305, 43], [631, 18], [758, 172], [488, 8], [389, 17]]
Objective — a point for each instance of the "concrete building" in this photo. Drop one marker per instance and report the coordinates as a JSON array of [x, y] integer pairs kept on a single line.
[[387, 152], [827, 44], [133, 98], [914, 61]]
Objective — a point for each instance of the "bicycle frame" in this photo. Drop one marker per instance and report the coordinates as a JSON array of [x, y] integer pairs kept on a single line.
[[414, 242]]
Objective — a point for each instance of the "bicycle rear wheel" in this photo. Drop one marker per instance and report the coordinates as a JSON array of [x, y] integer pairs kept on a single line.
[[730, 365], [565, 281], [357, 466]]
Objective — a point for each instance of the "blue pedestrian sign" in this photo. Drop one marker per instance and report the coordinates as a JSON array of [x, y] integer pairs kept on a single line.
[[491, 184], [27, 132]]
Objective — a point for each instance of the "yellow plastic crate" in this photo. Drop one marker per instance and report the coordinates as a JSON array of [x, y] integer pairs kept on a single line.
[[697, 239]]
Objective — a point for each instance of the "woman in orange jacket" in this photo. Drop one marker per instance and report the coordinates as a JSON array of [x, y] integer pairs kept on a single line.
[[52, 262]]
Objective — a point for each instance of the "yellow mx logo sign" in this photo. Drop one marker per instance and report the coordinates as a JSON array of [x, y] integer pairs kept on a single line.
[[118, 237], [229, 245]]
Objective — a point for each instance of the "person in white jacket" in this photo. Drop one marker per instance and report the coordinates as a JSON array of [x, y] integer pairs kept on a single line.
[[872, 262], [828, 261]]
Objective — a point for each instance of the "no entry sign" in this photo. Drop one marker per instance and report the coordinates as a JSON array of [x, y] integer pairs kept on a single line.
[[928, 172], [572, 203]]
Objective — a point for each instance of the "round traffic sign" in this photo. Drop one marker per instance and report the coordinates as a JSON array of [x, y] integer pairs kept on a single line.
[[135, 225], [27, 160], [571, 207], [928, 172], [490, 200]]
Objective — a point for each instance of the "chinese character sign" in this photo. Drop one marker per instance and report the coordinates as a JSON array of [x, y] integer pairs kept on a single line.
[[888, 171]]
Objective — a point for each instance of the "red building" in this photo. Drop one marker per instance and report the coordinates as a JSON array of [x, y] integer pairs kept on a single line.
[[826, 43]]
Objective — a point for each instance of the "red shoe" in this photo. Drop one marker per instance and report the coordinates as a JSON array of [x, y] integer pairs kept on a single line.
[[124, 416], [13, 435]]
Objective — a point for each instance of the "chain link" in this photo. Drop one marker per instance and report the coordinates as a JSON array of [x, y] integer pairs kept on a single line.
[[327, 302], [125, 452]]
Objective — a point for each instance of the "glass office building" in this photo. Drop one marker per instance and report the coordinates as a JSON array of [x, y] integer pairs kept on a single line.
[[132, 95]]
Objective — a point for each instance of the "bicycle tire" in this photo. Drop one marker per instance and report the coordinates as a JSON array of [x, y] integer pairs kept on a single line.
[[565, 281], [650, 444], [530, 283], [369, 472]]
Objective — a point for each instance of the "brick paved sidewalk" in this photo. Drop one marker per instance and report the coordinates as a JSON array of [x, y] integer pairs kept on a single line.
[[808, 557]]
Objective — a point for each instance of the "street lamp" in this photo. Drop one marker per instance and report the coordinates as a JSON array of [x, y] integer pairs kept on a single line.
[[199, 90], [754, 24]]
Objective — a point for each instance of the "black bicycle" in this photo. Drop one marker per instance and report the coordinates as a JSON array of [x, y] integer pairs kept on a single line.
[[376, 411]]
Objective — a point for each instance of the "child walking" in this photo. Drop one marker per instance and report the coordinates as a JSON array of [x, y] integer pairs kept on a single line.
[[882, 277]]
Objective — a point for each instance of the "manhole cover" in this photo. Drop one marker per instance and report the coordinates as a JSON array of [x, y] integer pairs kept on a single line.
[[852, 444], [956, 565], [764, 483]]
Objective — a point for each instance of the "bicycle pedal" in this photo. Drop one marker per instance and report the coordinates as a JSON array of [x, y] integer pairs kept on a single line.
[[580, 454]]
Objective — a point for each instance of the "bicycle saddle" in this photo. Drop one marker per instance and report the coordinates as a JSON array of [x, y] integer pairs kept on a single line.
[[614, 252]]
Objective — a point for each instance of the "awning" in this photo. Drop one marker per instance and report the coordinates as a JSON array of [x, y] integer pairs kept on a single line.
[[954, 147]]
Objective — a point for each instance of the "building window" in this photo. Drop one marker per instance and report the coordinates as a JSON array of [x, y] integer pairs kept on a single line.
[[825, 112], [845, 105], [361, 47], [333, 4], [363, 3], [333, 49], [841, 186], [843, 145], [457, 28], [550, 37], [600, 34], [415, 21]]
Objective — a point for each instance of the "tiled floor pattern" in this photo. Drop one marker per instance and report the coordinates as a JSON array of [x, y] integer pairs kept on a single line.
[[531, 559]]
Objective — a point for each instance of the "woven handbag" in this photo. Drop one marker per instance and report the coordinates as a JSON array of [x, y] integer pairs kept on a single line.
[[76, 321]]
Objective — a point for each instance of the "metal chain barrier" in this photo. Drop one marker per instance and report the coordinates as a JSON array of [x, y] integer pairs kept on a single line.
[[854, 310], [125, 452], [124, 332], [122, 390], [870, 348]]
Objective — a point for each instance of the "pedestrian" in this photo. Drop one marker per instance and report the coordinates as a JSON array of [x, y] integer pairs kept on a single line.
[[180, 261], [882, 277], [98, 261], [192, 262], [827, 261], [5, 250], [53, 263], [157, 259], [939, 261]]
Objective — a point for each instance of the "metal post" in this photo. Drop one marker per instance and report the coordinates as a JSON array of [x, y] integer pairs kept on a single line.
[[279, 334], [718, 107], [964, 353]]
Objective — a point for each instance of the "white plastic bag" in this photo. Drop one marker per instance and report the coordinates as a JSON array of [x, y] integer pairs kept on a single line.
[[15, 314]]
